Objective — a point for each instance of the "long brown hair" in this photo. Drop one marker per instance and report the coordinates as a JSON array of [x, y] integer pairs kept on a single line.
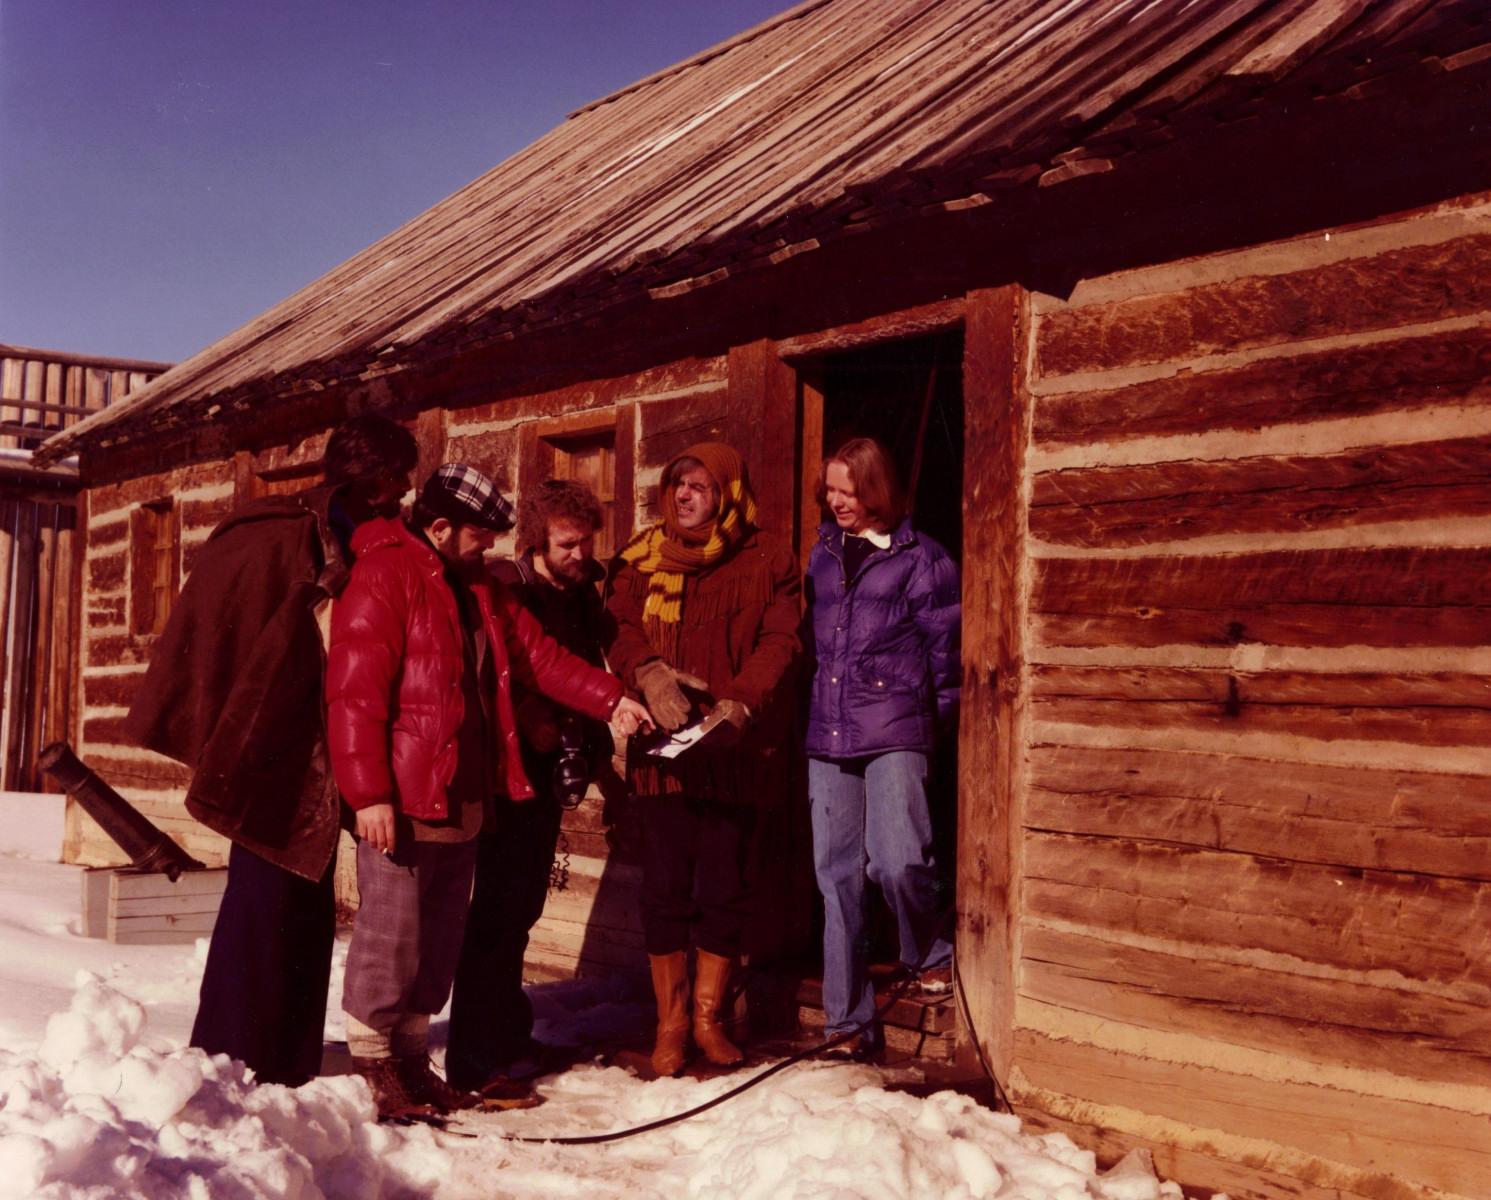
[[876, 484]]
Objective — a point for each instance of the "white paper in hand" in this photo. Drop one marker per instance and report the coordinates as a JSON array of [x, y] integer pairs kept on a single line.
[[671, 745]]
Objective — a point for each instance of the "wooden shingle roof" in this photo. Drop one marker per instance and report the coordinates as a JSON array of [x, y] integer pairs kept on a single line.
[[834, 117]]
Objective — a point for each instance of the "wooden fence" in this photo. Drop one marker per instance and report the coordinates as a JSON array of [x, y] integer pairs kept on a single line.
[[41, 546]]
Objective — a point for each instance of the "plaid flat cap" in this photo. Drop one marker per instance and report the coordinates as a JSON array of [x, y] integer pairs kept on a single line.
[[463, 495]]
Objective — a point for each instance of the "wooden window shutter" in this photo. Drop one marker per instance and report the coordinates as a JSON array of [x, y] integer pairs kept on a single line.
[[597, 449], [155, 565]]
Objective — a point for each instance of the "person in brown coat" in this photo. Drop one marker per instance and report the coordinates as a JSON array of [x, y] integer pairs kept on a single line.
[[707, 621], [235, 692]]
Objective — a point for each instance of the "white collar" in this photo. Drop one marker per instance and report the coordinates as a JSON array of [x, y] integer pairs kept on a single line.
[[881, 541]]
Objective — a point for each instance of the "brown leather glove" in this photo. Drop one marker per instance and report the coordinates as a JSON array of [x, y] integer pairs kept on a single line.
[[734, 720], [536, 723], [665, 699]]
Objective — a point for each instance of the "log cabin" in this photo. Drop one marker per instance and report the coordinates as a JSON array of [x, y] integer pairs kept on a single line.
[[1187, 307]]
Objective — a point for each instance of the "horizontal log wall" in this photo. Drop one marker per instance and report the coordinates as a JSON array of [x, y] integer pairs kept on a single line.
[[1256, 854], [678, 403], [114, 658]]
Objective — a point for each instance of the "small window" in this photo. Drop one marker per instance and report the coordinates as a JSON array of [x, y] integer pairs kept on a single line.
[[592, 461], [155, 565], [596, 449]]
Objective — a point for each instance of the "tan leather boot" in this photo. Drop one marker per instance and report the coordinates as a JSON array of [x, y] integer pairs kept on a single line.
[[713, 973], [670, 983]]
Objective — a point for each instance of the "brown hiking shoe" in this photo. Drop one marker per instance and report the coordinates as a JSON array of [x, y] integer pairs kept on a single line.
[[502, 1093], [390, 1093], [858, 1049], [428, 1088]]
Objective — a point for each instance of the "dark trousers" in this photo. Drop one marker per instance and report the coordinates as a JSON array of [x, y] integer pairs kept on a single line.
[[263, 996], [694, 873], [491, 1019]]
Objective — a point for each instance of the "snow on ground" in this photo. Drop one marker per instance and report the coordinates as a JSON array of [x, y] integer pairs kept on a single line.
[[100, 1099]]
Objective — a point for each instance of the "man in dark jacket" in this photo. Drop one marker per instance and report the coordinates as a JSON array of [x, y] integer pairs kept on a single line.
[[554, 577], [234, 691], [425, 653]]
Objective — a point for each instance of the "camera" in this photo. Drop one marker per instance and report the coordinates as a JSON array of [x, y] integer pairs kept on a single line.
[[572, 771]]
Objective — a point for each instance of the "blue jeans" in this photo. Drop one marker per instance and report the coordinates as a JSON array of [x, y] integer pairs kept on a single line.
[[870, 815]]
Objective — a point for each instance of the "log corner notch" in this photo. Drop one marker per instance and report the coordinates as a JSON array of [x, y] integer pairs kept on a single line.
[[991, 753]]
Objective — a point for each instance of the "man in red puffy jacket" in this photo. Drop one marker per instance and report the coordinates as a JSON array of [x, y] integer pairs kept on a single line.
[[424, 650]]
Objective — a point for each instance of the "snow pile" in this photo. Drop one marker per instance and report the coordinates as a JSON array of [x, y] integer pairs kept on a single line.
[[812, 1133], [96, 1103], [102, 1110]]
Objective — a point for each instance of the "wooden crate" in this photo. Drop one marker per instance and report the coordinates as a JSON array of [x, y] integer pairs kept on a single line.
[[128, 906]]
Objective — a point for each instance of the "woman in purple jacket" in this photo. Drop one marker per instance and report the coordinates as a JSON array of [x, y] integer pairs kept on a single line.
[[885, 624]]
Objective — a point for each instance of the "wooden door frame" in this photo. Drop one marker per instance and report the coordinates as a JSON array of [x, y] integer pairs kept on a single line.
[[991, 746], [770, 395], [762, 400], [810, 455], [992, 724], [804, 355]]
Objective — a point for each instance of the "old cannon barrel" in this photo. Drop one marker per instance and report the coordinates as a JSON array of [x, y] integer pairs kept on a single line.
[[148, 848]]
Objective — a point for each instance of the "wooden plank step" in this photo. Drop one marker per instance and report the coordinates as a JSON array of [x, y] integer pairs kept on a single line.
[[925, 1014], [160, 906], [130, 885], [899, 1040]]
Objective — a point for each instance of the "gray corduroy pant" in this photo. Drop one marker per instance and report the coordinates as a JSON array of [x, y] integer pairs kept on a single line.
[[406, 937]]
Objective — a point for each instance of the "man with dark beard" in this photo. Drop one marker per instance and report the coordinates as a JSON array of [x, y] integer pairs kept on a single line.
[[426, 652], [554, 577]]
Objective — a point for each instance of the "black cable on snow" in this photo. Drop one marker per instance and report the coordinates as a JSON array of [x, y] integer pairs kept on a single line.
[[595, 1139]]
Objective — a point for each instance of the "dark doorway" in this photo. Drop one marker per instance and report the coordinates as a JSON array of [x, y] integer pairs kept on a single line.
[[907, 395], [892, 393]]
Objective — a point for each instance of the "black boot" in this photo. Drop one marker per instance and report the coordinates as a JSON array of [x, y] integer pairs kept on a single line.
[[421, 1082]]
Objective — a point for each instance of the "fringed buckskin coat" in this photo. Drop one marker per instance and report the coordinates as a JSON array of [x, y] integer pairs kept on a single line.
[[738, 633]]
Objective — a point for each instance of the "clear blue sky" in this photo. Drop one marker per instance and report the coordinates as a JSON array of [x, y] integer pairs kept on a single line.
[[171, 168]]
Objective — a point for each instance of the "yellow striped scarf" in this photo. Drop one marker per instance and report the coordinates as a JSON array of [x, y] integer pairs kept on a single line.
[[667, 554]]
